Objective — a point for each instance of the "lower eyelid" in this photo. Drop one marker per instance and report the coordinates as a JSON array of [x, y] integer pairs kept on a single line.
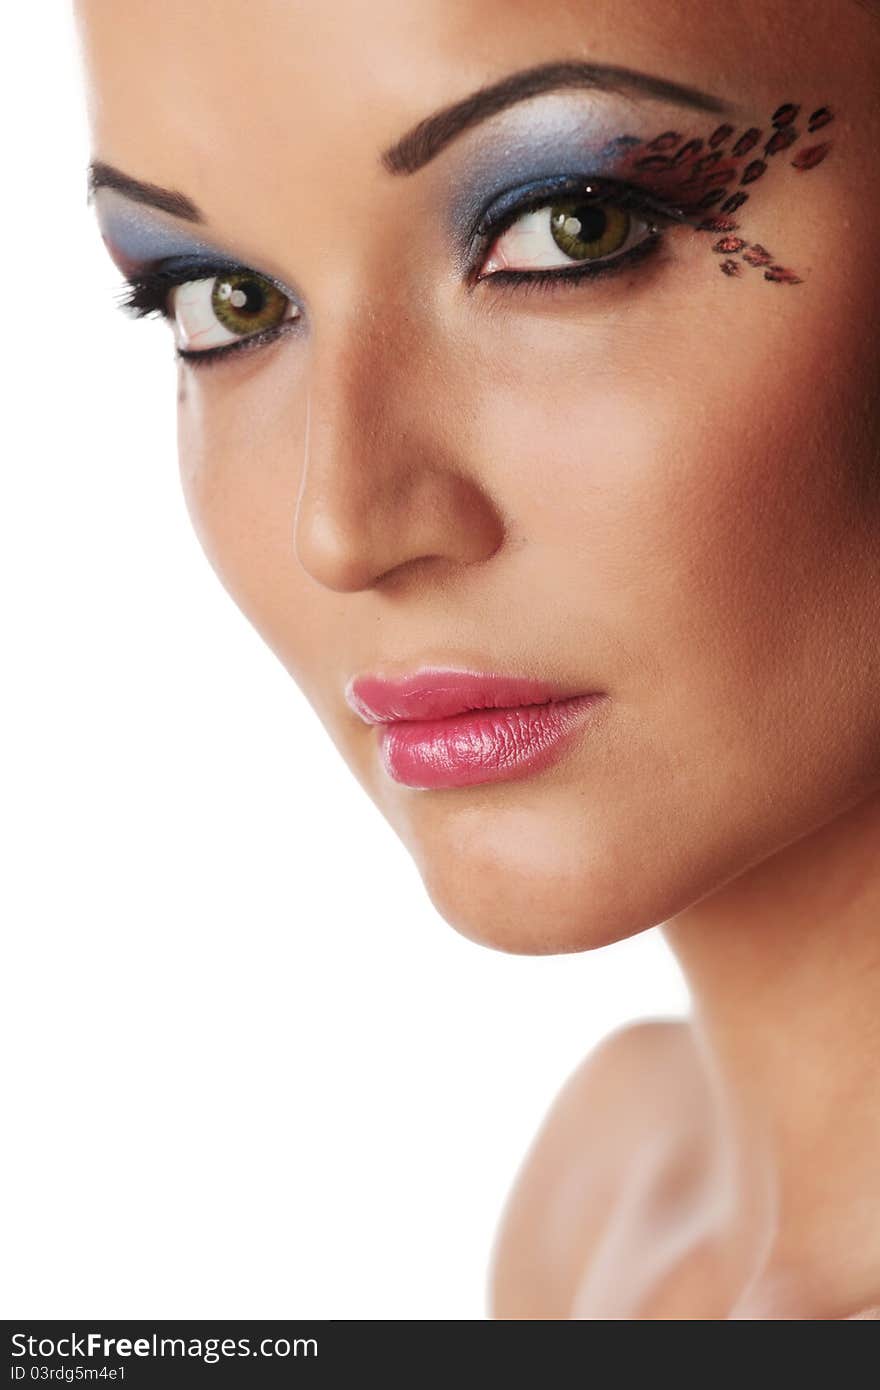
[[211, 356], [570, 276]]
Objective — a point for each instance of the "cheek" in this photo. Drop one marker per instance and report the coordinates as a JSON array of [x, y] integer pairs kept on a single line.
[[240, 448], [699, 506]]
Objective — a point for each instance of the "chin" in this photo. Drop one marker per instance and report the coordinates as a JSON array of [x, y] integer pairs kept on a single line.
[[516, 882]]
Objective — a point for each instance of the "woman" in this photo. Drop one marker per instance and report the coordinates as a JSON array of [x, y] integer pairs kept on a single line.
[[528, 407]]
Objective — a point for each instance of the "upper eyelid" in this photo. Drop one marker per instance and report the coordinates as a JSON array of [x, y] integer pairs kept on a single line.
[[506, 205], [177, 268], [141, 242]]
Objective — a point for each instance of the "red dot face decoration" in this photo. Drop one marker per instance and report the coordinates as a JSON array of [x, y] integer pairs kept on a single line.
[[716, 175]]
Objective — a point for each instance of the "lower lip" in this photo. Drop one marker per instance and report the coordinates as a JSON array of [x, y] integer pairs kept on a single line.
[[485, 745]]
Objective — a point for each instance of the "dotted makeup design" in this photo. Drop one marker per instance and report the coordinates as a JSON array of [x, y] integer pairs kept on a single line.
[[718, 173]]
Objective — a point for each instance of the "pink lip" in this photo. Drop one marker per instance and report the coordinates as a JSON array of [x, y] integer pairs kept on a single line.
[[442, 728]]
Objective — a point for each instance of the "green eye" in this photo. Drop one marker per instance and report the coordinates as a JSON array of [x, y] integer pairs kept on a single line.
[[588, 230], [246, 303]]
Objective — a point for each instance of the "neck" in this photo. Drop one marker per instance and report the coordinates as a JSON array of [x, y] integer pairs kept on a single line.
[[783, 966]]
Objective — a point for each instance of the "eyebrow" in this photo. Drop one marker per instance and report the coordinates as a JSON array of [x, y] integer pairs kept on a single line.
[[434, 133], [101, 175]]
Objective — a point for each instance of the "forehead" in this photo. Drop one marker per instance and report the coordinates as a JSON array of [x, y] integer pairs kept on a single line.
[[323, 73]]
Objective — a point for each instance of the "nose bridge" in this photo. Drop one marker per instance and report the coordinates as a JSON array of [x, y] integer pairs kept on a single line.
[[367, 369], [382, 482]]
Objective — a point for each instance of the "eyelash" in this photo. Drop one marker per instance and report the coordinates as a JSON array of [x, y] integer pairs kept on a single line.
[[616, 193], [147, 293]]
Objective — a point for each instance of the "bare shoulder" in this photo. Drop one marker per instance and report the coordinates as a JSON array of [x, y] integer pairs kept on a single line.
[[639, 1086]]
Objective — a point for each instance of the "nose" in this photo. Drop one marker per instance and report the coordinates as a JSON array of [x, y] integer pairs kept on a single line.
[[385, 478]]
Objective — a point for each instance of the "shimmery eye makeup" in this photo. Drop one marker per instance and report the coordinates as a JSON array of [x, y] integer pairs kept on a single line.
[[670, 178], [240, 306], [137, 239], [700, 180], [581, 199], [157, 257]]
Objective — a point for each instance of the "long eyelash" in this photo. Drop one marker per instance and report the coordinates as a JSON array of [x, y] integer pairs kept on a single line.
[[618, 194], [615, 191], [147, 293]]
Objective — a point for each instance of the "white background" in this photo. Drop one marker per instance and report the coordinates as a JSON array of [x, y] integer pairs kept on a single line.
[[249, 1071]]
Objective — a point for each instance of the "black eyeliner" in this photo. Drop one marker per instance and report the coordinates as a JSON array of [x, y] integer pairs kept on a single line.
[[146, 292], [599, 188], [247, 343], [508, 280], [506, 208]]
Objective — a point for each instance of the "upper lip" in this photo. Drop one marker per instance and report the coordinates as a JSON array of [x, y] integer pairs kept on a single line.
[[435, 693]]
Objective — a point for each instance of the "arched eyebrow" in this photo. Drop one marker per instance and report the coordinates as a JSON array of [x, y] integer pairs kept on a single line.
[[432, 134], [101, 175]]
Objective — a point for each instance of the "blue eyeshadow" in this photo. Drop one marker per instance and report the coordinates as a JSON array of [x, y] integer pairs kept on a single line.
[[573, 143], [143, 237]]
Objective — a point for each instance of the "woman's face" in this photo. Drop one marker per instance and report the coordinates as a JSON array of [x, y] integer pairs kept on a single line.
[[658, 481]]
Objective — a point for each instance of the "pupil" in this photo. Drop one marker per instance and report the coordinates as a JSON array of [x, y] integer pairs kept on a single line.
[[254, 299], [592, 220]]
